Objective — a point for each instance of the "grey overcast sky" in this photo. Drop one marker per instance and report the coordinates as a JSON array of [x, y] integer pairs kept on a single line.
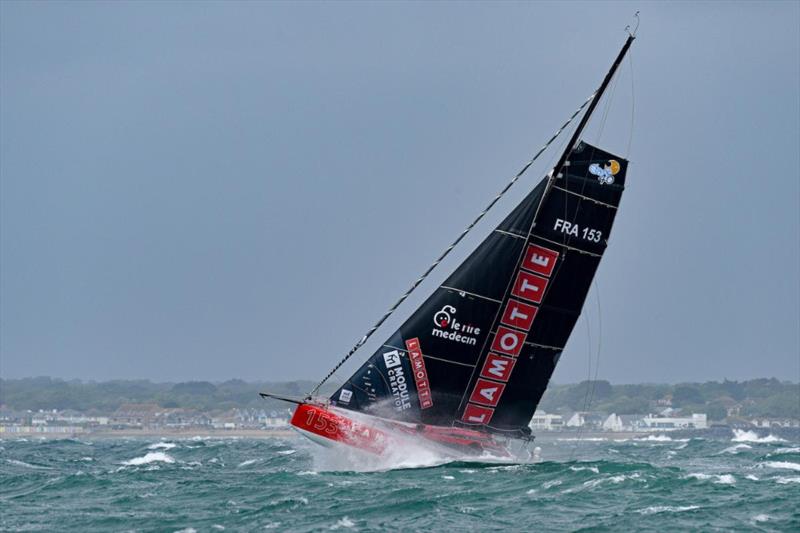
[[217, 190]]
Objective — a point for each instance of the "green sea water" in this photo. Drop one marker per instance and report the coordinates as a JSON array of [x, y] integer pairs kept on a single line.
[[743, 482]]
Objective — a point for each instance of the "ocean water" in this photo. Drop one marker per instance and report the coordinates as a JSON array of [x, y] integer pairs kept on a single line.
[[745, 481]]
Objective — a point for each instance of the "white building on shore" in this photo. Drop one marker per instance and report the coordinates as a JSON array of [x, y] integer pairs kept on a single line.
[[661, 423], [546, 422]]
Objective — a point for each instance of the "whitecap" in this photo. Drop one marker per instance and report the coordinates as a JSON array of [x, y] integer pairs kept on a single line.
[[286, 452], [660, 438], [786, 480], [719, 479], [740, 435], [344, 522], [27, 465], [667, 509], [307, 473], [781, 451], [589, 468], [781, 464], [162, 446], [150, 457], [248, 462], [218, 527], [551, 483], [761, 518], [186, 530], [751, 477], [736, 448], [448, 477], [614, 479]]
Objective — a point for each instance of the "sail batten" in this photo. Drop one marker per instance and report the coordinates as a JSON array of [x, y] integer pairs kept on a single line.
[[481, 349], [483, 346]]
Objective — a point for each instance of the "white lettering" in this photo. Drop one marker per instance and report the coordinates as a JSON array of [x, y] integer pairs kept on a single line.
[[540, 260], [526, 286], [515, 314], [498, 367], [509, 337], [488, 393]]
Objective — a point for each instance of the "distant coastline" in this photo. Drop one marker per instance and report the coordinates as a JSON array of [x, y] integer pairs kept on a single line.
[[55, 408]]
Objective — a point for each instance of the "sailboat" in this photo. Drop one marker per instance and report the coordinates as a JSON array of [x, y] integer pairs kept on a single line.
[[465, 372]]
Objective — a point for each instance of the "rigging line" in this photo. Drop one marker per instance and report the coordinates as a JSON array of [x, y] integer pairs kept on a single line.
[[599, 338], [633, 108], [607, 108], [593, 380], [414, 285]]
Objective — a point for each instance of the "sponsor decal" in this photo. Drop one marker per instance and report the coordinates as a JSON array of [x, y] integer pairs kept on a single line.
[[447, 327], [537, 266], [476, 414], [529, 287], [539, 259], [420, 373], [508, 341], [518, 315], [605, 174], [487, 392], [345, 396], [498, 367], [397, 380]]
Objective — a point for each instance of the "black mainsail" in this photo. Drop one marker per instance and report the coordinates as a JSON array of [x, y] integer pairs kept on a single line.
[[482, 348]]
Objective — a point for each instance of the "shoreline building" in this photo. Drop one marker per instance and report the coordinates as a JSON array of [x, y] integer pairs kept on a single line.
[[666, 423], [546, 421]]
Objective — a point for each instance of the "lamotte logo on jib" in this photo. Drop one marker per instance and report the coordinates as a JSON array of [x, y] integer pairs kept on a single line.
[[397, 380], [447, 327]]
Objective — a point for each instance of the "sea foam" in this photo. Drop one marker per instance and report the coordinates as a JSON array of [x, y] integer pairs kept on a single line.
[[667, 509], [781, 464], [740, 435], [162, 446], [150, 457]]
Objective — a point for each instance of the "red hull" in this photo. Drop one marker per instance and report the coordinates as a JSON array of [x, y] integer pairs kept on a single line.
[[321, 422]]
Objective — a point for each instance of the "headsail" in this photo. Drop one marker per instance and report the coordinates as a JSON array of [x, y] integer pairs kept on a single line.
[[481, 349], [483, 346]]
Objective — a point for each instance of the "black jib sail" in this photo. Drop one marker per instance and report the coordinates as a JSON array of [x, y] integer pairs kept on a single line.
[[481, 349], [483, 346]]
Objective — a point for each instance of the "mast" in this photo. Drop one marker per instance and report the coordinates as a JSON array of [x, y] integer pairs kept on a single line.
[[588, 114]]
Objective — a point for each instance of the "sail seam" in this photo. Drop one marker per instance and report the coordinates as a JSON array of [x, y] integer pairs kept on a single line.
[[430, 356], [470, 293], [567, 246], [585, 197], [510, 234], [546, 347], [529, 343]]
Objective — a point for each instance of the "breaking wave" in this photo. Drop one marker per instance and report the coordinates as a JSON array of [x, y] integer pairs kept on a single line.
[[151, 457], [667, 509], [740, 435], [162, 446], [785, 465], [736, 449]]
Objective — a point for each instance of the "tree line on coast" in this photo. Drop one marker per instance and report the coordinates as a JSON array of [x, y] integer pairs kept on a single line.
[[719, 399]]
